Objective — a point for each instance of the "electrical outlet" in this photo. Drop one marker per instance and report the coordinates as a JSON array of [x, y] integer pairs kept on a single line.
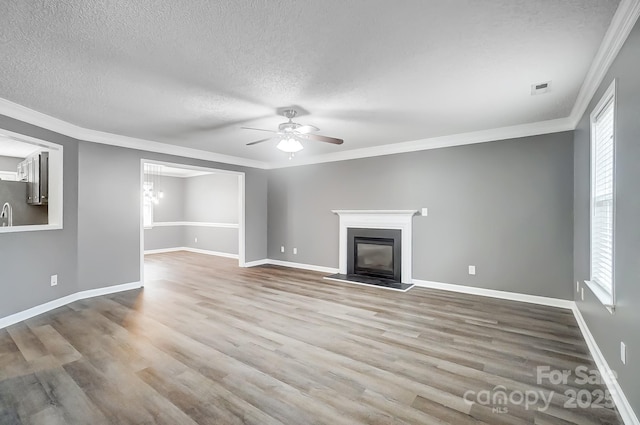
[[54, 279], [578, 286], [282, 249], [295, 251], [623, 352], [425, 212], [582, 294], [472, 270]]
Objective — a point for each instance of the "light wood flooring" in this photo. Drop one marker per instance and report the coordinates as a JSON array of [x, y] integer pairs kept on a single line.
[[208, 343]]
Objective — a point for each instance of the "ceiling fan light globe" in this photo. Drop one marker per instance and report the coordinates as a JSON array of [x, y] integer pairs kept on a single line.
[[290, 145]]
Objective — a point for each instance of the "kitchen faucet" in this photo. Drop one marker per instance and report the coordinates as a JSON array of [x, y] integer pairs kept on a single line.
[[7, 212]]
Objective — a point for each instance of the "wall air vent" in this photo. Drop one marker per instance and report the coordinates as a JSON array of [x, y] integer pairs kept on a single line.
[[540, 88]]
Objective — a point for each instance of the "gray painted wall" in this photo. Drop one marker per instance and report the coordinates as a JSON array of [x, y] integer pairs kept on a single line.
[[164, 237], [115, 172], [171, 207], [505, 207], [609, 330], [15, 193], [9, 163], [105, 228], [214, 199], [212, 239], [27, 260], [108, 216], [211, 198]]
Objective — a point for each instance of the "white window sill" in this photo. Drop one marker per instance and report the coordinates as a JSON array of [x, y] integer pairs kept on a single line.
[[603, 296], [30, 228]]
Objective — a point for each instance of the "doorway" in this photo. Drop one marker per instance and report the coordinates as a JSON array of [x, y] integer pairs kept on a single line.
[[190, 208]]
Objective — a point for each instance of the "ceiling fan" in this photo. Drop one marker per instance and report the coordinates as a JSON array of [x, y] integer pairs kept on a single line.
[[291, 133]]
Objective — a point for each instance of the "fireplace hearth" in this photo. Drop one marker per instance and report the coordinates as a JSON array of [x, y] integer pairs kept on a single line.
[[374, 257]]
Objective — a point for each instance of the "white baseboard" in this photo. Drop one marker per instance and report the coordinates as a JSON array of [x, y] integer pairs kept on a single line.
[[256, 263], [60, 302], [163, 250], [196, 250], [622, 404], [302, 266], [513, 296], [90, 293], [207, 252]]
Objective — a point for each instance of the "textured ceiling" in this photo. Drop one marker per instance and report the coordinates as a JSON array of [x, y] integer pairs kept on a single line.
[[373, 72]]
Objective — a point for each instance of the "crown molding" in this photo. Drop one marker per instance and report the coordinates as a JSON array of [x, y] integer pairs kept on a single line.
[[24, 114], [621, 25], [491, 135]]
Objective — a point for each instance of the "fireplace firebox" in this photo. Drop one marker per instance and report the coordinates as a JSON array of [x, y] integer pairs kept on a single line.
[[374, 253], [373, 257]]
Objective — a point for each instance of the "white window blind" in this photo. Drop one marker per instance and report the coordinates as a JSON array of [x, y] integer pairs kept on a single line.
[[602, 197]]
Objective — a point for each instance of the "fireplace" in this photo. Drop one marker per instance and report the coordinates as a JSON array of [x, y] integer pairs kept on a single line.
[[373, 257], [374, 253], [375, 248]]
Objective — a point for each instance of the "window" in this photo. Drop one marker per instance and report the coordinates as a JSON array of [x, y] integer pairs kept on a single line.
[[147, 207], [603, 198]]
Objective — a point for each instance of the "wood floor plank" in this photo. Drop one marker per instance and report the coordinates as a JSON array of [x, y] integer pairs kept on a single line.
[[206, 342]]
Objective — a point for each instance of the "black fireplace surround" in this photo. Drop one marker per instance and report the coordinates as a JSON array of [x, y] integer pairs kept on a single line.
[[374, 258], [374, 253]]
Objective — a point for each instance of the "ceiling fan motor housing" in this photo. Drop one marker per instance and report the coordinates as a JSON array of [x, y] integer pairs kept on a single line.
[[290, 113], [290, 132]]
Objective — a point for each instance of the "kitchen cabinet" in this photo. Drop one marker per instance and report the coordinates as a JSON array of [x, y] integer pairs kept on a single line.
[[35, 171]]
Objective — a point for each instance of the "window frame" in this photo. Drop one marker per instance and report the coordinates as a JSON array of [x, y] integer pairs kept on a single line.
[[604, 295], [56, 184], [147, 204]]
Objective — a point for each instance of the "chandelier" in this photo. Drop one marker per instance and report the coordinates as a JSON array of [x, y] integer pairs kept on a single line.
[[152, 189]]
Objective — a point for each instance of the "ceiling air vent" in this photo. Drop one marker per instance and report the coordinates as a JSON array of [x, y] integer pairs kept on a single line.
[[540, 88]]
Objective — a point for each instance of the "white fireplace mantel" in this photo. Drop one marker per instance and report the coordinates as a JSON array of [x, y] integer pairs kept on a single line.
[[378, 219]]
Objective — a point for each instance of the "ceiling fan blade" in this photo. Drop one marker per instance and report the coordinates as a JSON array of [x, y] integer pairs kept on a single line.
[[259, 141], [304, 129], [258, 129], [326, 139]]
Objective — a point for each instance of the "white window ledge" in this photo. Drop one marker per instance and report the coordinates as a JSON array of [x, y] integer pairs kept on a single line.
[[29, 228], [605, 297]]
